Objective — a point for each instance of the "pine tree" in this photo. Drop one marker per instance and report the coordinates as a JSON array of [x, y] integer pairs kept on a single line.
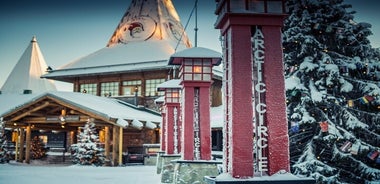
[[4, 154], [37, 148], [332, 87], [88, 150]]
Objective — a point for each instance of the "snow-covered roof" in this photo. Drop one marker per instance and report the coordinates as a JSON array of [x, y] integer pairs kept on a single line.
[[27, 72], [107, 108], [150, 31], [170, 84], [196, 52]]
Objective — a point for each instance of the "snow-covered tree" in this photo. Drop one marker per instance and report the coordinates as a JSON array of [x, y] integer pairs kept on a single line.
[[4, 155], [332, 86], [88, 150], [37, 149]]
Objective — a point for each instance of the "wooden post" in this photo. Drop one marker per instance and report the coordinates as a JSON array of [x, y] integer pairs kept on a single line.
[[22, 142], [17, 145], [120, 146], [107, 142], [115, 146], [28, 144]]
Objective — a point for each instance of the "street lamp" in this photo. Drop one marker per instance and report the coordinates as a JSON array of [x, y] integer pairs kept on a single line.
[[136, 93], [196, 64], [251, 6]]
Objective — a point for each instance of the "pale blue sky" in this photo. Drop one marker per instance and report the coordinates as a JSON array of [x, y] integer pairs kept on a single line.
[[69, 29]]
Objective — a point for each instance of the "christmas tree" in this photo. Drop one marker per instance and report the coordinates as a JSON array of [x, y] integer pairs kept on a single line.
[[332, 86], [37, 149], [88, 150], [4, 155]]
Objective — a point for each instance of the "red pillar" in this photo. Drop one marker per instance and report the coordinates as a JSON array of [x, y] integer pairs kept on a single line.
[[163, 129], [171, 120], [239, 100], [278, 140], [189, 146], [246, 67]]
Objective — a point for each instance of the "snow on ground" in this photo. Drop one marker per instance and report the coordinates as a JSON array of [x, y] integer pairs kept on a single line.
[[16, 173]]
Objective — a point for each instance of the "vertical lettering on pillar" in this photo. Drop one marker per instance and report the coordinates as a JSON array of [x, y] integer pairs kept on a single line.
[[228, 105], [226, 102], [175, 130], [258, 102], [197, 139]]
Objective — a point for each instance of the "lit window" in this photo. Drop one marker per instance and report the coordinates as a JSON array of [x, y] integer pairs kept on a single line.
[[151, 87]]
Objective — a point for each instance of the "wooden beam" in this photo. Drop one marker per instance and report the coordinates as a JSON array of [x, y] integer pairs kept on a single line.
[[30, 111]]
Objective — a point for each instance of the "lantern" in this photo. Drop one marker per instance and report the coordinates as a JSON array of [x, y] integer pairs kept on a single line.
[[196, 63], [251, 6], [172, 90]]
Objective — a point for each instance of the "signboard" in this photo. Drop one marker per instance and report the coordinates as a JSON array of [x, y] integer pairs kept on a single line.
[[67, 118], [260, 129]]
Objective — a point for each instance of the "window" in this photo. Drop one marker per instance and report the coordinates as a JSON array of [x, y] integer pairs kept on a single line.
[[109, 89], [88, 88], [151, 87], [129, 87]]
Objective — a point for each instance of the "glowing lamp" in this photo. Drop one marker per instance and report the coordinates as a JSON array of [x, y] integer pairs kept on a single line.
[[196, 63], [172, 90]]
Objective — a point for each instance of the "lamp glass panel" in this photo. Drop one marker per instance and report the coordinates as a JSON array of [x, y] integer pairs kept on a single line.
[[206, 69], [274, 6], [256, 6], [197, 76], [197, 61], [237, 5], [187, 77], [188, 69], [206, 77], [188, 61], [197, 69]]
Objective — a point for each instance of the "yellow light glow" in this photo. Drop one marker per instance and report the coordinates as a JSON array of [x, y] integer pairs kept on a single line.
[[63, 112], [197, 69], [175, 95]]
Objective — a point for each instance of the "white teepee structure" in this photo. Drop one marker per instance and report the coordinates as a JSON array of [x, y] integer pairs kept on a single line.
[[150, 20], [26, 74]]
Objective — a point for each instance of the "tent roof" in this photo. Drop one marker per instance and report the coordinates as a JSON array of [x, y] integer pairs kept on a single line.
[[16, 107], [27, 72], [149, 32]]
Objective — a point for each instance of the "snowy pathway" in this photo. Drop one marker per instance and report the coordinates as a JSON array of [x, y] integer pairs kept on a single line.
[[32, 174]]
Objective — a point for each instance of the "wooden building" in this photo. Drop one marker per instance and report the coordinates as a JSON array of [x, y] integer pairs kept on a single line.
[[134, 61]]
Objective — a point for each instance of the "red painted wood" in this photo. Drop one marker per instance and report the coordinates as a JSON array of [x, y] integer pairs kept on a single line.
[[241, 142], [205, 128], [163, 131], [276, 119], [170, 127], [187, 139], [188, 120]]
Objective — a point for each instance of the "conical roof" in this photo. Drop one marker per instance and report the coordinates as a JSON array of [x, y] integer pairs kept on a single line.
[[150, 20], [27, 72], [148, 34]]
